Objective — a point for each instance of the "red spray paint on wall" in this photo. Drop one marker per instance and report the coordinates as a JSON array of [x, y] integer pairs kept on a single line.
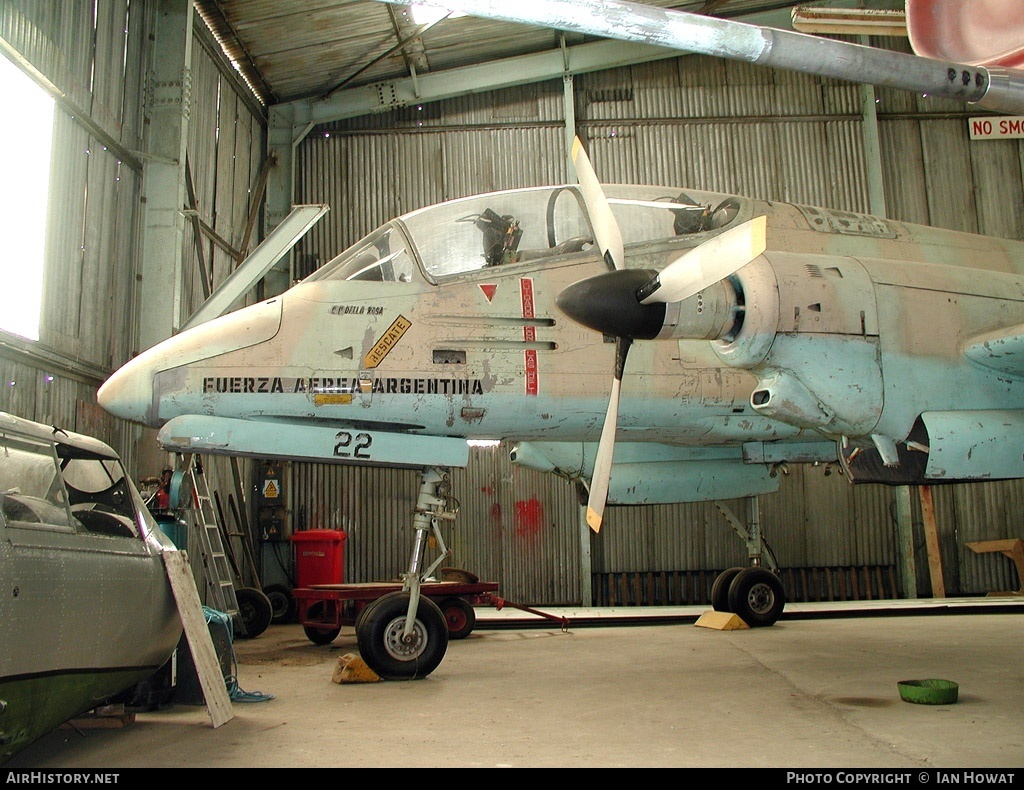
[[529, 517]]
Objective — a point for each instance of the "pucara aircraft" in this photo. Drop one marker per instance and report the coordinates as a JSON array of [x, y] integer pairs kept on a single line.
[[777, 333]]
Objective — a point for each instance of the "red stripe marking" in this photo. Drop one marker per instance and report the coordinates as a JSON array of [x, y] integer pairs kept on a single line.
[[529, 335]]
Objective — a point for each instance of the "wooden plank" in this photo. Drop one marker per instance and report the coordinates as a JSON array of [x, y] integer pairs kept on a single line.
[[200, 643], [931, 538], [104, 717], [100, 722], [1006, 544]]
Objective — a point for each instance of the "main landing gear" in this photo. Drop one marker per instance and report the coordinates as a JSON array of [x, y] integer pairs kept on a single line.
[[755, 594], [404, 635]]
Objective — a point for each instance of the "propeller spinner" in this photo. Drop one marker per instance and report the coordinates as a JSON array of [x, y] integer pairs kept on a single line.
[[629, 304]]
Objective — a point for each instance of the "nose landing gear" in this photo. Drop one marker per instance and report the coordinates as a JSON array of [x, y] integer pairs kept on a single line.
[[403, 635]]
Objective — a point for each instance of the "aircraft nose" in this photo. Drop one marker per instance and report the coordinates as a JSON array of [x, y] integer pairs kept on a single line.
[[128, 393], [145, 389]]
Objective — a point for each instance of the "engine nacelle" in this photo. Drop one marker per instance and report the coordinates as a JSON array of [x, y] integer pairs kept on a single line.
[[839, 391], [849, 347], [809, 333]]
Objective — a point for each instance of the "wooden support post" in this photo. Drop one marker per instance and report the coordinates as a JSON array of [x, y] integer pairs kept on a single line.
[[905, 543], [931, 537]]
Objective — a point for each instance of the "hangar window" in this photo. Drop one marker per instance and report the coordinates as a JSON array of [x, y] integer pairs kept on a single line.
[[26, 135]]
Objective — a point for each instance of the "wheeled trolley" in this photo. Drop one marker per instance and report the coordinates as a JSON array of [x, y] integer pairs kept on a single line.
[[324, 608], [403, 627]]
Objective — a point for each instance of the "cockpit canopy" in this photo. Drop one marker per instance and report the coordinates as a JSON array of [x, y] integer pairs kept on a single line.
[[501, 228]]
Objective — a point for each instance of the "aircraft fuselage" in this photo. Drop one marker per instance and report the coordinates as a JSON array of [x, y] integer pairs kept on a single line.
[[442, 326]]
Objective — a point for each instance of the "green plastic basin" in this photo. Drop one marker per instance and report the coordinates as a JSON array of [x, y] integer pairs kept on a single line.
[[929, 692]]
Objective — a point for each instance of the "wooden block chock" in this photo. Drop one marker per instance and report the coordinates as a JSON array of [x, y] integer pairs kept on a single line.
[[1010, 547], [721, 621]]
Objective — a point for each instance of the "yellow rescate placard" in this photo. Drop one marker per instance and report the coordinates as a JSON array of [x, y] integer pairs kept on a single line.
[[387, 342]]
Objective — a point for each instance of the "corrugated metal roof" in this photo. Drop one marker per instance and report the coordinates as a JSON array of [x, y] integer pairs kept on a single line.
[[290, 50]]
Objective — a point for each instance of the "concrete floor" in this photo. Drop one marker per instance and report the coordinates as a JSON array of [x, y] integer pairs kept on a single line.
[[816, 690]]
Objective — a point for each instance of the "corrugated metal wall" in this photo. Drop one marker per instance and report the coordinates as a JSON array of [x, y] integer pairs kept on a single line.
[[97, 54], [700, 122], [513, 525], [226, 151]]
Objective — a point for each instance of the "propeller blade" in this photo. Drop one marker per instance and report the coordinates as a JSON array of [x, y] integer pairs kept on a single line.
[[606, 229], [603, 463], [705, 265]]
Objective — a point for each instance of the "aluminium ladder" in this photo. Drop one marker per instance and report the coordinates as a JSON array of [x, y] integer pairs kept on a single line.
[[220, 588]]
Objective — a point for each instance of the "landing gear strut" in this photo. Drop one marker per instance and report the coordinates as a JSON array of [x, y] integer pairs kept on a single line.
[[755, 594], [403, 635]]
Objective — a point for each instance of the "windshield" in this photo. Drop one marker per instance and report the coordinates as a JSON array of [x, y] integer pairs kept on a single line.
[[381, 256], [70, 489]]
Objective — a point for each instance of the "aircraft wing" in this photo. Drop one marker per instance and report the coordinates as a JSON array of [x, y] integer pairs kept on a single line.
[[1002, 350], [304, 441], [998, 89]]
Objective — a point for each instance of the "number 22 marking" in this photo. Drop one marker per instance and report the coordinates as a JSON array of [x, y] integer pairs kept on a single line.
[[362, 443]]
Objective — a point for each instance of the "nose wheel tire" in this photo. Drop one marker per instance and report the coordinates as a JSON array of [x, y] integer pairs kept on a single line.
[[757, 596], [383, 646]]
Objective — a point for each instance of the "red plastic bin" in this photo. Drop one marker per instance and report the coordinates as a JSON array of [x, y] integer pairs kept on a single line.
[[319, 557]]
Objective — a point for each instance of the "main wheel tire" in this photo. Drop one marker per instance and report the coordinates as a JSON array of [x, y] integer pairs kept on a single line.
[[254, 610], [319, 635], [757, 596], [720, 589], [379, 635], [282, 603], [460, 616]]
